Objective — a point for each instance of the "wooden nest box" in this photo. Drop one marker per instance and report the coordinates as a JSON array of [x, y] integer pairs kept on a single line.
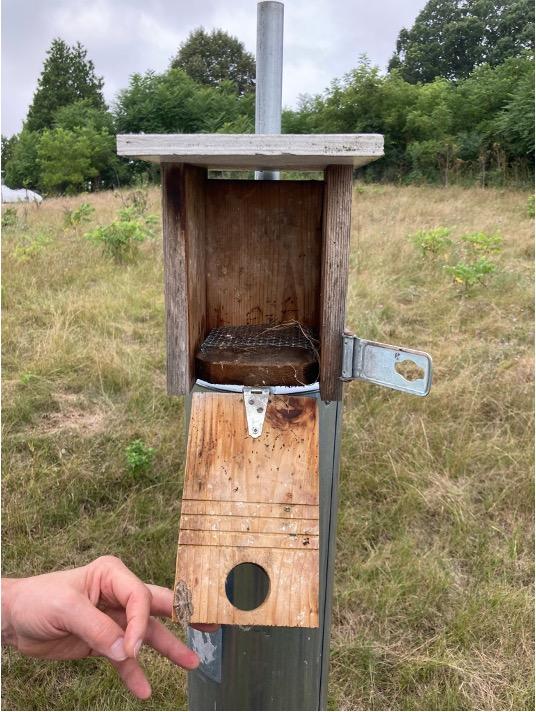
[[256, 275]]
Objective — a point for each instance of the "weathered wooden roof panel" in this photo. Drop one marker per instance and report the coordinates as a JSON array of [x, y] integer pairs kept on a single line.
[[254, 151]]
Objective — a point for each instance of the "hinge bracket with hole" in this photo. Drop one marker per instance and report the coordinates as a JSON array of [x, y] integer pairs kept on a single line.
[[256, 403], [384, 365]]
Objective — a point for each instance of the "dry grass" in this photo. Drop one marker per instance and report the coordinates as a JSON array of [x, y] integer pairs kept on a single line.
[[433, 606]]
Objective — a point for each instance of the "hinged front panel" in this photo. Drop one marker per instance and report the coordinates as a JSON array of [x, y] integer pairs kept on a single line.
[[250, 500]]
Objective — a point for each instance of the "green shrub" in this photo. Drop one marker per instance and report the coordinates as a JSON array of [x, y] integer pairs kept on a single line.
[[9, 217], [470, 274], [139, 457], [431, 242], [77, 216], [31, 246], [120, 239], [481, 242], [530, 206]]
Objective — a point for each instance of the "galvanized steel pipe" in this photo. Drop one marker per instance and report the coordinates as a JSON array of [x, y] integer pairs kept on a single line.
[[269, 73]]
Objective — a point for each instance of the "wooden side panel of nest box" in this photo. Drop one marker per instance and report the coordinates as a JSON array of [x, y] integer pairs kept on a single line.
[[250, 500]]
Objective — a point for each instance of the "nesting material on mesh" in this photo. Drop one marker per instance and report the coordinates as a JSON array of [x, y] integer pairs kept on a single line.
[[259, 355], [293, 336]]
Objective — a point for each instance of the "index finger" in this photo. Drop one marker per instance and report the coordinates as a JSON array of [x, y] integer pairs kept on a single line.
[[162, 605], [119, 585]]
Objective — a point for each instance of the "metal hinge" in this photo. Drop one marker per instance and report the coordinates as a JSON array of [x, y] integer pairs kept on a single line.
[[391, 366], [256, 402]]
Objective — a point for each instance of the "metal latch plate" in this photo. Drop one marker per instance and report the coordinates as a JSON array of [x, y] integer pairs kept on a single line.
[[256, 402], [395, 367]]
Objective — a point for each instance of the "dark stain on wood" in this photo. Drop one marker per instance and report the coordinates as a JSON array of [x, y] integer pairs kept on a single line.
[[291, 412]]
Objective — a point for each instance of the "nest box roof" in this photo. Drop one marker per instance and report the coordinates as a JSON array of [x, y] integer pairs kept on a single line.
[[254, 151]]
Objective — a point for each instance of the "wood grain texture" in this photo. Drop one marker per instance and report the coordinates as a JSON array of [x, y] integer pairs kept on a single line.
[[259, 366], [251, 500], [269, 525], [249, 151], [183, 221], [264, 510], [335, 252], [264, 243]]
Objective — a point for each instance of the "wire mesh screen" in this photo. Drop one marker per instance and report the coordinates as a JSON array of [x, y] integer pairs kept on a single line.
[[255, 335]]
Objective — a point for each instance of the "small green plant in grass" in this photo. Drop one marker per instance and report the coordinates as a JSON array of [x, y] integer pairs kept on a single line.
[[82, 214], [27, 377], [9, 217], [139, 457], [469, 274], [31, 246], [120, 239], [481, 242], [431, 242], [530, 206]]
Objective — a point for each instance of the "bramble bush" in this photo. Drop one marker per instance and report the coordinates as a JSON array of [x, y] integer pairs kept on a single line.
[[9, 217], [77, 216], [31, 246], [467, 259], [139, 457], [120, 240], [470, 274], [431, 242], [481, 242]]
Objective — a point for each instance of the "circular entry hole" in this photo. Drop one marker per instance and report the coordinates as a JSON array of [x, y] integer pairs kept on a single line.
[[247, 586]]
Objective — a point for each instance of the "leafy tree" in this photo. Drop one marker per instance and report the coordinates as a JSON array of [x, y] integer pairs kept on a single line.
[[8, 144], [67, 77], [515, 123], [441, 131], [451, 37], [72, 161], [82, 113], [21, 167], [174, 103], [214, 58]]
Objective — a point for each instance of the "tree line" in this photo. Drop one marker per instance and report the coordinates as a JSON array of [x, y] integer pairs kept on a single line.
[[456, 104]]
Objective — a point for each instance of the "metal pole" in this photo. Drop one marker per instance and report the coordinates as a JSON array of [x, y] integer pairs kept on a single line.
[[269, 73]]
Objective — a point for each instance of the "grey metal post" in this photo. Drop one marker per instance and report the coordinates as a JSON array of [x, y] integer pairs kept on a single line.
[[269, 73]]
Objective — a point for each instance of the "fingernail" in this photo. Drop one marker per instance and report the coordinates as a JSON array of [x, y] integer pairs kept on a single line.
[[196, 661], [137, 648], [117, 650]]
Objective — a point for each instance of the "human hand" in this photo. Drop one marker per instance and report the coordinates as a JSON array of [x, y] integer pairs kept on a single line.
[[98, 609]]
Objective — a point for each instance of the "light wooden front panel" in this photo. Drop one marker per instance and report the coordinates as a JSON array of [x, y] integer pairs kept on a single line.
[[263, 252], [251, 500]]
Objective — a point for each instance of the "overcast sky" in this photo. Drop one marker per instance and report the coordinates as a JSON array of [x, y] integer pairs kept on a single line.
[[323, 39]]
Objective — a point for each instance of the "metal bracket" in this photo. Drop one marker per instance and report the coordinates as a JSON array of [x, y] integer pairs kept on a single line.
[[255, 402], [383, 365]]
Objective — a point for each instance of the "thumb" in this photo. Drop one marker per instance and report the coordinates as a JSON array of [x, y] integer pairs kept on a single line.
[[99, 631]]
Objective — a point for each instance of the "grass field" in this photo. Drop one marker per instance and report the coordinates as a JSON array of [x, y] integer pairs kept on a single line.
[[434, 599]]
